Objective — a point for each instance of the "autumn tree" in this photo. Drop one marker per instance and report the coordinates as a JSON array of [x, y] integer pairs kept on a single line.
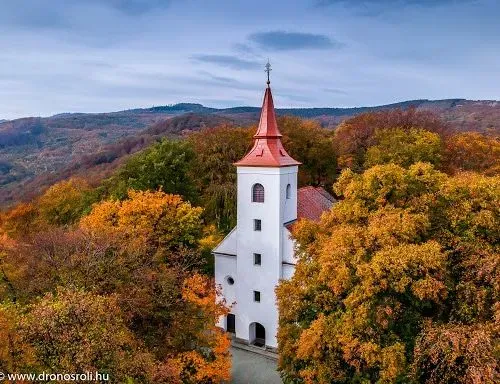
[[398, 283], [15, 354], [354, 136], [139, 258], [457, 353], [20, 220], [65, 202], [74, 331], [217, 149], [404, 147], [150, 221], [160, 237], [312, 145], [472, 151], [209, 361]]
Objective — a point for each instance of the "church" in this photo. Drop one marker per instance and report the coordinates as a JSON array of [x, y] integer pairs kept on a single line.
[[259, 251]]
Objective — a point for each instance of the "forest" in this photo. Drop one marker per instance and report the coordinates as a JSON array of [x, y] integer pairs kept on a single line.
[[398, 283]]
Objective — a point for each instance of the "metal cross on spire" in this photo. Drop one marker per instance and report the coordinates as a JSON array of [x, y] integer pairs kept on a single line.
[[268, 70]]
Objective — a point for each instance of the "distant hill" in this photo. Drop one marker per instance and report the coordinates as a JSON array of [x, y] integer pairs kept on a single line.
[[35, 152]]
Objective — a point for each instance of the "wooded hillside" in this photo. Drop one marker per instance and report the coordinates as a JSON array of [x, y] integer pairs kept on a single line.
[[110, 269]]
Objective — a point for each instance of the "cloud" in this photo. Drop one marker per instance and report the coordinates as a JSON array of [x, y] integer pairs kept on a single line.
[[228, 61], [136, 6], [382, 3], [36, 14], [245, 49], [103, 55], [289, 41], [301, 98], [220, 79], [335, 91]]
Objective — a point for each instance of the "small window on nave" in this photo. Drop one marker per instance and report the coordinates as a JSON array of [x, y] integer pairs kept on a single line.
[[257, 225], [256, 296], [257, 259]]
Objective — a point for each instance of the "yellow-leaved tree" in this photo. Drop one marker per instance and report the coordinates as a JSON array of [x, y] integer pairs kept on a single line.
[[120, 293], [398, 283]]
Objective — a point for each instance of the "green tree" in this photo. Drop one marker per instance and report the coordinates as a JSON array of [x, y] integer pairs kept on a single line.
[[398, 283], [217, 149], [165, 165]]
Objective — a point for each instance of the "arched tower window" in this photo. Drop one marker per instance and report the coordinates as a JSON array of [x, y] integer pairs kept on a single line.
[[288, 191], [258, 193]]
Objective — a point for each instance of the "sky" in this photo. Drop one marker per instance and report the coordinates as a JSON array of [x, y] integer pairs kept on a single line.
[[107, 55]]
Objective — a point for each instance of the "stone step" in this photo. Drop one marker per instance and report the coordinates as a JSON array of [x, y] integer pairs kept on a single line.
[[254, 349]]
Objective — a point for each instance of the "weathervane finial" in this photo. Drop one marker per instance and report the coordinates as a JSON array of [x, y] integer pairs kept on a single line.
[[268, 70]]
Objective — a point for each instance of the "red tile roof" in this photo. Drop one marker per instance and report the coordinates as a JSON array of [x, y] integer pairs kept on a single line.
[[312, 202], [267, 150]]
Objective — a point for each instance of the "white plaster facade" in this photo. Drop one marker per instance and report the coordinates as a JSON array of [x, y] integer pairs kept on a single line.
[[234, 257]]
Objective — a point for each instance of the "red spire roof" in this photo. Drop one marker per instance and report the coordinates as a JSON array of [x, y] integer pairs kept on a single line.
[[268, 151]]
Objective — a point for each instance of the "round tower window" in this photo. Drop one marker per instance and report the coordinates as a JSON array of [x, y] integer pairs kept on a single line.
[[230, 280]]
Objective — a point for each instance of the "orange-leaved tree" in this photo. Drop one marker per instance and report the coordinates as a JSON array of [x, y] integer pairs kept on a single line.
[[198, 365], [472, 151], [140, 259], [397, 283], [312, 145]]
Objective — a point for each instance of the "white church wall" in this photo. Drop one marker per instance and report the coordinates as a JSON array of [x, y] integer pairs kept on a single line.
[[225, 266], [288, 247], [268, 242], [228, 245], [288, 271], [288, 175]]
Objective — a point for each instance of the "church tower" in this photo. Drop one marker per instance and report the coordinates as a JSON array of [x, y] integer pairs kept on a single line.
[[252, 259]]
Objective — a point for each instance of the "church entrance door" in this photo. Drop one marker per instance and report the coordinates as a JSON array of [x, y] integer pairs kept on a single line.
[[231, 323], [257, 335]]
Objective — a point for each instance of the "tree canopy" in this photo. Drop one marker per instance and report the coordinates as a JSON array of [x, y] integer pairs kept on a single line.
[[166, 165], [312, 145], [471, 151], [404, 147], [120, 292], [354, 136], [398, 283], [216, 151]]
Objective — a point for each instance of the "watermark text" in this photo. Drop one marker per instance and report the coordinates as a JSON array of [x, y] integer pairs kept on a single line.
[[46, 376]]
